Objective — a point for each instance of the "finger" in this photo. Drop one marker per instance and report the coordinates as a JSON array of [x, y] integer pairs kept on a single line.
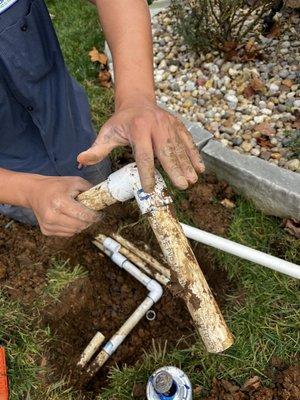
[[73, 209], [166, 154], [80, 185], [57, 230], [190, 146], [107, 140], [78, 213], [184, 161], [143, 152], [56, 233]]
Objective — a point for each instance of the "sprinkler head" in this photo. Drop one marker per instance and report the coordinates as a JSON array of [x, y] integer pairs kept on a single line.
[[163, 382]]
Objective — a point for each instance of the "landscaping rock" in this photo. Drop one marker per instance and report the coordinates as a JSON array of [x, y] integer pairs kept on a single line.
[[221, 93]]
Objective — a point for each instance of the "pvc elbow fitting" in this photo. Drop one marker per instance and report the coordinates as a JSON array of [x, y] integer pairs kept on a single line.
[[155, 290]]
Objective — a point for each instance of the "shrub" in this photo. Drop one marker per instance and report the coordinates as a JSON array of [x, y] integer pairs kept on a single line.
[[217, 24]]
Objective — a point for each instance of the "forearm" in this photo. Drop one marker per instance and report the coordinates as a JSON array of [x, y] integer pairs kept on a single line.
[[15, 187], [127, 27]]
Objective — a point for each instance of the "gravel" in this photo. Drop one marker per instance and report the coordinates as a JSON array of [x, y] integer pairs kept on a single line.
[[215, 92]]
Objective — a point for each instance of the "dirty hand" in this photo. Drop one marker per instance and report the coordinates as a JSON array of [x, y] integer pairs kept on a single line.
[[53, 201], [150, 131]]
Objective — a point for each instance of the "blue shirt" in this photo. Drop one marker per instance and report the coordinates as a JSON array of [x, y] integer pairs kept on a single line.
[[44, 114]]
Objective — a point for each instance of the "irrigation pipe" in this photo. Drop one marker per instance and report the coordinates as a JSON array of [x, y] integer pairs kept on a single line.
[[186, 273], [112, 248], [139, 258], [239, 250], [143, 255]]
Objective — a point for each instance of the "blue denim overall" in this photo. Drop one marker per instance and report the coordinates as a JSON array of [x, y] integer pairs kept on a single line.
[[44, 114]]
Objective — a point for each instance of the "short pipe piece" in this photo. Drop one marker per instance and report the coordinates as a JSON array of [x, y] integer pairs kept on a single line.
[[91, 349]]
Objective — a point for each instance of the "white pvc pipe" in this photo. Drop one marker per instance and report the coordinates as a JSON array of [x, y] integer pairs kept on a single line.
[[256, 256], [111, 248]]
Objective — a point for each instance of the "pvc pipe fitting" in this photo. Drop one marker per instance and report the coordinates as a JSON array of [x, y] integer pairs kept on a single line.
[[155, 290], [125, 184]]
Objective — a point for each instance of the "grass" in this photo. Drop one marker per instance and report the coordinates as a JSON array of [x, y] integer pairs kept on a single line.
[[60, 276], [262, 310], [25, 342], [78, 30]]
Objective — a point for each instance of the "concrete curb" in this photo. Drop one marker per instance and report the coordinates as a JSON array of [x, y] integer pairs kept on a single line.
[[273, 190], [158, 6]]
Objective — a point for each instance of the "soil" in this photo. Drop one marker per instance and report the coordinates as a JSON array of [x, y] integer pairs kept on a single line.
[[286, 386], [104, 299]]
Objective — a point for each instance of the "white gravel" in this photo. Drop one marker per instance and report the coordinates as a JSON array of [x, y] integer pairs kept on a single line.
[[213, 91]]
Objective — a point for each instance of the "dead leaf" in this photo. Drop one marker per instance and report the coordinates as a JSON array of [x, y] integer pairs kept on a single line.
[[292, 227], [275, 30], [230, 50], [264, 141], [43, 362], [248, 92], [228, 203], [229, 387], [250, 46], [96, 56], [296, 124], [257, 84], [105, 78], [250, 52], [252, 384], [292, 3], [265, 129]]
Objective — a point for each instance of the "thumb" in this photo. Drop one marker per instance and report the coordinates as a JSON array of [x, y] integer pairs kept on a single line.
[[103, 145]]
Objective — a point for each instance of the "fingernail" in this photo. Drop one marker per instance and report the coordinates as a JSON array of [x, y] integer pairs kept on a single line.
[[193, 178], [182, 182]]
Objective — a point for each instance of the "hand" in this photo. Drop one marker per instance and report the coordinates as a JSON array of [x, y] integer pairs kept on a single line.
[[53, 201], [150, 131]]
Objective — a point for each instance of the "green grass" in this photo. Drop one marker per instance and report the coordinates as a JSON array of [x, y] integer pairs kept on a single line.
[[78, 30], [60, 276], [25, 342]]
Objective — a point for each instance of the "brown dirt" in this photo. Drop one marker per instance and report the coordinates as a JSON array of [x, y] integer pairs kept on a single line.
[[286, 386]]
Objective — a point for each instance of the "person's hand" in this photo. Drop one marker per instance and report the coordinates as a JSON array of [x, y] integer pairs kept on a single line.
[[151, 132], [52, 200]]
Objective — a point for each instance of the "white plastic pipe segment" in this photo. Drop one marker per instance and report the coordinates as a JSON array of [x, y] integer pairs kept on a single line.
[[91, 349], [256, 256], [111, 248]]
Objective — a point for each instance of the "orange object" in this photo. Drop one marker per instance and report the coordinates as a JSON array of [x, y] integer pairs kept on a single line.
[[3, 376]]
